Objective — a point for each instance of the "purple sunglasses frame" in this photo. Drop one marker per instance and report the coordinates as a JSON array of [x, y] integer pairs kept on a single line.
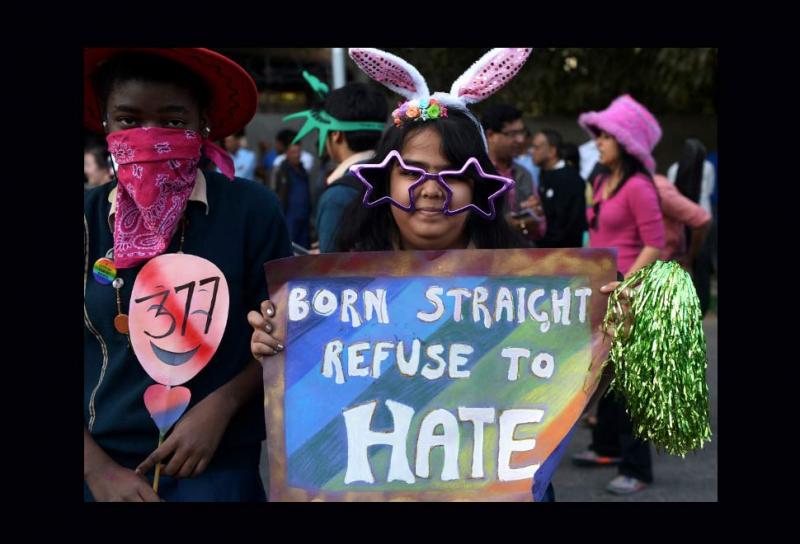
[[394, 154]]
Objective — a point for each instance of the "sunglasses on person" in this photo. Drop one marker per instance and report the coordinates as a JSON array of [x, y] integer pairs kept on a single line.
[[420, 176]]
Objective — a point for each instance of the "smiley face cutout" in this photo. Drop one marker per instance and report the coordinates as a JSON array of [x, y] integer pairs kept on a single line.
[[178, 312]]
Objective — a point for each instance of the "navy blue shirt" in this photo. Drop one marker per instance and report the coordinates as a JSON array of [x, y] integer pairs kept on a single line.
[[299, 194], [242, 229]]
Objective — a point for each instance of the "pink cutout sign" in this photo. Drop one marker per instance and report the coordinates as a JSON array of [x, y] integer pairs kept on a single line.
[[166, 404], [178, 312]]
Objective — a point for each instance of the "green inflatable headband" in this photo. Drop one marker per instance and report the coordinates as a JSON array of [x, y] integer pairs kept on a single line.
[[321, 120], [316, 85]]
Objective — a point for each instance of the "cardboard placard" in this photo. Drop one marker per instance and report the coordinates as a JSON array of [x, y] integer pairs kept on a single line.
[[436, 375]]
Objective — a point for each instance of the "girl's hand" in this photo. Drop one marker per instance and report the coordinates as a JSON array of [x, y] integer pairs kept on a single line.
[[609, 287], [263, 343], [624, 297]]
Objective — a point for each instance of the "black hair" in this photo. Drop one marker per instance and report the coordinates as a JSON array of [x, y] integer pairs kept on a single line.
[[495, 116], [285, 136], [358, 102], [571, 155], [126, 67], [239, 133], [553, 138], [374, 229], [630, 166], [689, 178]]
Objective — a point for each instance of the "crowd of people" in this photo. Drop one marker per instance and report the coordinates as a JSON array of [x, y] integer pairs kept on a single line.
[[606, 192]]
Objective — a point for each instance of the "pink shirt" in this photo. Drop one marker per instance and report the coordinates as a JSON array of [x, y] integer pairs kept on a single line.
[[678, 212], [628, 221]]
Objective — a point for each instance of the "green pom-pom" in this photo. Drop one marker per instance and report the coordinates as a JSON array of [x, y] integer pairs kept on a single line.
[[659, 353]]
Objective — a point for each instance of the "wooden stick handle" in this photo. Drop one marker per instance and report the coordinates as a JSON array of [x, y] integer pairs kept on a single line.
[[158, 468]]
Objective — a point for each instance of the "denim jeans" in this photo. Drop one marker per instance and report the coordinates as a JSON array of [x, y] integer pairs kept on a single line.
[[232, 480]]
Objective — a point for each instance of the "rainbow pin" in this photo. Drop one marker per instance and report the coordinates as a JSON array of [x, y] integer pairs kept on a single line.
[[104, 271]]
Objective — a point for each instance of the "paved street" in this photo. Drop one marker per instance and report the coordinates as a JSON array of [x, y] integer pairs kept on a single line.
[[691, 479]]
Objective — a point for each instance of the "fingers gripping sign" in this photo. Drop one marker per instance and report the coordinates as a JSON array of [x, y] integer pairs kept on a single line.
[[267, 338]]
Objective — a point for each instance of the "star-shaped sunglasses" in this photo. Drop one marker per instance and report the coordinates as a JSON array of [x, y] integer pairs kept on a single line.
[[441, 178]]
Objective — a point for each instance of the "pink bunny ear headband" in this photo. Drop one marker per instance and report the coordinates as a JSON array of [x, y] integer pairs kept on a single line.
[[481, 80]]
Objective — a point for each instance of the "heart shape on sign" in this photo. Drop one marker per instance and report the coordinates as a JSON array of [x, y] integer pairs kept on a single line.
[[178, 312], [166, 404]]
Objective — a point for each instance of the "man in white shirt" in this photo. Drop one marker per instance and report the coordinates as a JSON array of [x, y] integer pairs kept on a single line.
[[244, 160]]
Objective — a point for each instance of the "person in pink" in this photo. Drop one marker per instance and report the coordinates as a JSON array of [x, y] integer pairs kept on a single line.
[[680, 212], [626, 216]]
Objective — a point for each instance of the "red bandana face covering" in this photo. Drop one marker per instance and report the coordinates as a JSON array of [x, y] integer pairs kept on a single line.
[[157, 169]]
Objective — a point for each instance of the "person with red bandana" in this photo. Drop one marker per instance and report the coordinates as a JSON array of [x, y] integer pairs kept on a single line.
[[161, 110]]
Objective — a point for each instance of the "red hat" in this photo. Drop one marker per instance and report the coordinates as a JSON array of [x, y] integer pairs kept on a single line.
[[234, 97]]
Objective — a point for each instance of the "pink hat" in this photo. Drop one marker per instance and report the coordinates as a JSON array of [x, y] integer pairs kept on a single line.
[[634, 128]]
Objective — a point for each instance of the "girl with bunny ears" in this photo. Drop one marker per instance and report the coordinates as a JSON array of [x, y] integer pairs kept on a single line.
[[444, 144], [438, 133], [432, 185]]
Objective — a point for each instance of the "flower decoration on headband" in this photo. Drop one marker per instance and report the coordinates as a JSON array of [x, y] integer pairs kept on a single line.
[[440, 178], [418, 110], [484, 78]]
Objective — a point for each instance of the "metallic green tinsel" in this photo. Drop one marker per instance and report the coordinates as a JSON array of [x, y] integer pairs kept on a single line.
[[659, 353]]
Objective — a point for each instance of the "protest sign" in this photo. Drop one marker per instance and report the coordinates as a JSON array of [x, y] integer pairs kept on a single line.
[[437, 375]]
